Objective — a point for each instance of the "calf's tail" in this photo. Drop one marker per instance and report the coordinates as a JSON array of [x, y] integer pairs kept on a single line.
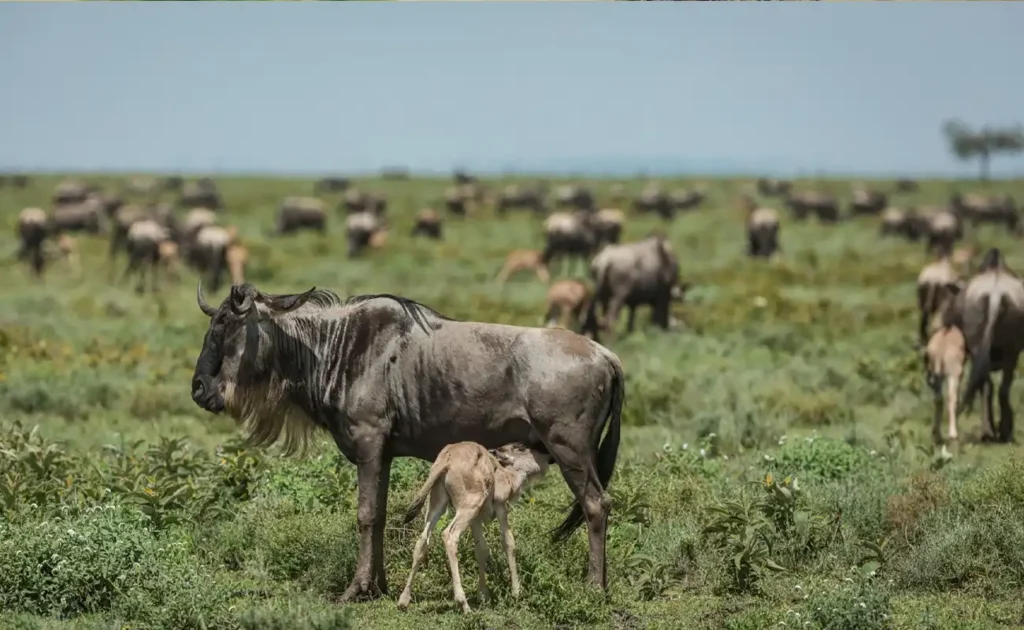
[[436, 475], [981, 361], [606, 454]]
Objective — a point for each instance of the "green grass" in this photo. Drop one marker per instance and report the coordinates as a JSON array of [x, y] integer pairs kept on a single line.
[[129, 507]]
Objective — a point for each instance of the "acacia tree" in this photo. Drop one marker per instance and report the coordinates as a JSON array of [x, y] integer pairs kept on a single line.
[[982, 144]]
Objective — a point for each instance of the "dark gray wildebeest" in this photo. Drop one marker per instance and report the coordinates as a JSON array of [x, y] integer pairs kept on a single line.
[[32, 232], [462, 177], [568, 235], [388, 377], [762, 229], [937, 285], [803, 203], [978, 209], [575, 197], [208, 254], [607, 225], [906, 223], [143, 244], [906, 186], [942, 229], [428, 223], [86, 216], [519, 196], [866, 201], [653, 198], [359, 229], [457, 199], [300, 213], [683, 200], [355, 200], [990, 312], [70, 192], [201, 194], [331, 185], [769, 187], [633, 274]]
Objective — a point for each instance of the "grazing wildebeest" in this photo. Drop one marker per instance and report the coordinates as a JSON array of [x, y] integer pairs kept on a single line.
[[937, 285], [906, 186], [70, 192], [770, 187], [331, 184], [990, 312], [457, 199], [300, 213], [428, 223], [388, 377], [979, 209], [208, 253], [607, 225], [653, 198], [140, 187], [906, 223], [523, 260], [32, 232], [866, 201], [683, 200], [568, 235], [762, 229], [515, 196], [355, 201], [943, 230], [944, 359], [576, 197], [633, 274], [478, 484], [568, 303], [143, 244], [201, 194], [805, 202], [359, 228], [86, 216]]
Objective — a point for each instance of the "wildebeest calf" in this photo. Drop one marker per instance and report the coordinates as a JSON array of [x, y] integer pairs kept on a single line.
[[478, 485], [522, 260], [569, 306], [945, 356]]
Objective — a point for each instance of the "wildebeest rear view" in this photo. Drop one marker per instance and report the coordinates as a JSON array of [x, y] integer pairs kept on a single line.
[[388, 377]]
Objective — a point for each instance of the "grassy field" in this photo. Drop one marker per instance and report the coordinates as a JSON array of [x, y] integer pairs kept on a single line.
[[775, 469]]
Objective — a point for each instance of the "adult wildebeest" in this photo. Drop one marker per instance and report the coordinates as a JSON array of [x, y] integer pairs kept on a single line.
[[86, 216], [979, 209], [576, 197], [635, 274], [428, 223], [388, 377], [143, 245], [458, 198], [300, 213], [355, 200], [805, 202], [770, 187], [520, 196], [607, 225], [69, 191], [32, 231], [936, 288], [906, 223], [682, 200], [201, 194], [331, 184], [653, 198], [762, 229], [359, 229], [942, 229], [568, 235], [866, 201], [990, 312]]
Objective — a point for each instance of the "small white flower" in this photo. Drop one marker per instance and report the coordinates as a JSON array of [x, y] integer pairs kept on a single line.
[[702, 452], [686, 445], [726, 457]]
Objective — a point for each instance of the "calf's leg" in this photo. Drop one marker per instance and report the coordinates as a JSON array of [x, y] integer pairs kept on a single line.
[[436, 508], [508, 543], [451, 534], [482, 555], [952, 387]]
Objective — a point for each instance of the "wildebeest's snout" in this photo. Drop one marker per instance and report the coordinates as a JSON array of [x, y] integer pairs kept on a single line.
[[205, 394]]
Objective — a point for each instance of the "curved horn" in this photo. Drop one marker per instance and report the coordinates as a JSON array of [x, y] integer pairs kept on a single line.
[[206, 308], [241, 299]]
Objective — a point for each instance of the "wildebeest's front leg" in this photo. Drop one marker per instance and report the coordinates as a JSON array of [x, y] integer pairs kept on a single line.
[[1005, 410], [369, 581]]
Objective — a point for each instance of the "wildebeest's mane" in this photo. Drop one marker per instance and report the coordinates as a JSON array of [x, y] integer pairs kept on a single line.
[[413, 309]]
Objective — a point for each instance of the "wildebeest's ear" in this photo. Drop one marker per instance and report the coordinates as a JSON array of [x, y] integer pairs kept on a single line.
[[288, 302]]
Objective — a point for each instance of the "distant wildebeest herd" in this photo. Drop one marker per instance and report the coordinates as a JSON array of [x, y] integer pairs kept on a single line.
[[492, 405]]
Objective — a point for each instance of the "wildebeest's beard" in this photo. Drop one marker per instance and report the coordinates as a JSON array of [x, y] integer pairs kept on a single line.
[[205, 386]]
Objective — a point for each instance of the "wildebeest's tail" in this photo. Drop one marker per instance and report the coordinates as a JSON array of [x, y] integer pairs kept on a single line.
[[607, 453], [436, 475], [981, 361]]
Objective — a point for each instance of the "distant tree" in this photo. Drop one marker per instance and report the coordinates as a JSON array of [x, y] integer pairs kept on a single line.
[[982, 144]]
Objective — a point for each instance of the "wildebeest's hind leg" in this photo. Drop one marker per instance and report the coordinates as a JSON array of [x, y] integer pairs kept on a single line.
[[572, 450], [369, 582], [988, 433], [1005, 410], [438, 504]]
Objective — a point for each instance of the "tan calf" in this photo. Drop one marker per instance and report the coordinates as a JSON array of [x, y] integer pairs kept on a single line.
[[479, 485], [170, 259], [569, 306], [236, 256], [67, 247], [523, 260], [945, 356]]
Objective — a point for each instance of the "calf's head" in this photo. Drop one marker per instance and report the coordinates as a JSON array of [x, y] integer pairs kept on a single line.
[[237, 348]]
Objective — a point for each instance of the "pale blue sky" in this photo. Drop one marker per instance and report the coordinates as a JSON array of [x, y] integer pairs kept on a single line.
[[295, 87]]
